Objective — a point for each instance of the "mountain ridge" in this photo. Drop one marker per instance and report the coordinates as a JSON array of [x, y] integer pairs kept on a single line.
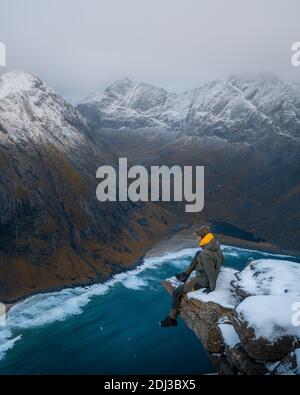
[[220, 107]]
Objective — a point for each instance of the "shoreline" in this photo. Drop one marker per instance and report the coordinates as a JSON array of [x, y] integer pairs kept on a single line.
[[183, 238], [178, 238]]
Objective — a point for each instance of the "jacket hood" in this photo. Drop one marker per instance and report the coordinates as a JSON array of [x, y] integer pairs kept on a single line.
[[213, 245]]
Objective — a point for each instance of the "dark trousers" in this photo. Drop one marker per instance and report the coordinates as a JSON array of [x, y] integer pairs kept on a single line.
[[201, 280], [178, 294]]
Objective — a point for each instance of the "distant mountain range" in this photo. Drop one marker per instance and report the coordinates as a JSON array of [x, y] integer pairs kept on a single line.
[[244, 130], [238, 109], [53, 231]]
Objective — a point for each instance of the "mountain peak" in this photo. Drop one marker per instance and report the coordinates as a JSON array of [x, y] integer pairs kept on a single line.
[[18, 81], [120, 87], [30, 109], [124, 80]]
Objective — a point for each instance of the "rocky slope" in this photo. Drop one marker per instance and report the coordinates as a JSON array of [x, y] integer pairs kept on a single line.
[[248, 325], [53, 231]]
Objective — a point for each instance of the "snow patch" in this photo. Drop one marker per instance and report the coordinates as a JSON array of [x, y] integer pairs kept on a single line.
[[229, 335], [16, 82], [270, 315], [223, 294], [270, 277]]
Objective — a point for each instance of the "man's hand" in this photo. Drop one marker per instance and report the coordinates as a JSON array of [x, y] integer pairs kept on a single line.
[[181, 276]]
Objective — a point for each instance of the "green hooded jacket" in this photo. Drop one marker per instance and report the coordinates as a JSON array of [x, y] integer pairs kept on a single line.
[[207, 264]]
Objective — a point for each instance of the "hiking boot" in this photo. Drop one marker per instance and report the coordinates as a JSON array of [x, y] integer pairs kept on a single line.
[[168, 322]]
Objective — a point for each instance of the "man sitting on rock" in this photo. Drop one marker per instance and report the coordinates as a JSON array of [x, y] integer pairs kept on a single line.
[[206, 263]]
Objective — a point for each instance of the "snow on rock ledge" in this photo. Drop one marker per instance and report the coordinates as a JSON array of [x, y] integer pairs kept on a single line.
[[264, 324], [268, 277], [246, 324], [224, 294]]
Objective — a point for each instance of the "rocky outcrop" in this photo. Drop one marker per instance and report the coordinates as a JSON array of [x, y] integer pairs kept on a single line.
[[253, 332], [264, 340]]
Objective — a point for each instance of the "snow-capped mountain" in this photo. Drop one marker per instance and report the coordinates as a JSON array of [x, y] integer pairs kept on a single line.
[[127, 104], [53, 231], [277, 100], [245, 130], [238, 109], [31, 111]]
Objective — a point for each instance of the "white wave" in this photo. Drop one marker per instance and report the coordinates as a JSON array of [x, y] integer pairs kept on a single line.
[[232, 253], [8, 345], [134, 282], [231, 250], [181, 263], [46, 308]]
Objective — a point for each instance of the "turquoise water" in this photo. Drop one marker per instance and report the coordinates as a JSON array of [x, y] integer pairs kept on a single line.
[[109, 328]]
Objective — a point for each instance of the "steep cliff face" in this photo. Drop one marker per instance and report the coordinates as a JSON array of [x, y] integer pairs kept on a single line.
[[53, 231], [248, 324]]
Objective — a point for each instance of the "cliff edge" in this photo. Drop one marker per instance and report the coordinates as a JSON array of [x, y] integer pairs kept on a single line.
[[250, 324]]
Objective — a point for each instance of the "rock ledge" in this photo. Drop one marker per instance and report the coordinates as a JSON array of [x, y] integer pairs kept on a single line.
[[249, 324]]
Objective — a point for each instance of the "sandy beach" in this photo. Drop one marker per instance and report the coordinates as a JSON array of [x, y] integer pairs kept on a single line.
[[183, 238]]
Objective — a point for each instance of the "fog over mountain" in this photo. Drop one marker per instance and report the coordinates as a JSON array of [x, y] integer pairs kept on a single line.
[[78, 46]]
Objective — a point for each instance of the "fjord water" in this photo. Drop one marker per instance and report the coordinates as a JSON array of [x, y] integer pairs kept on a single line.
[[109, 328]]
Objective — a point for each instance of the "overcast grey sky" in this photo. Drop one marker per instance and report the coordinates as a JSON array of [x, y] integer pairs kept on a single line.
[[78, 46]]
